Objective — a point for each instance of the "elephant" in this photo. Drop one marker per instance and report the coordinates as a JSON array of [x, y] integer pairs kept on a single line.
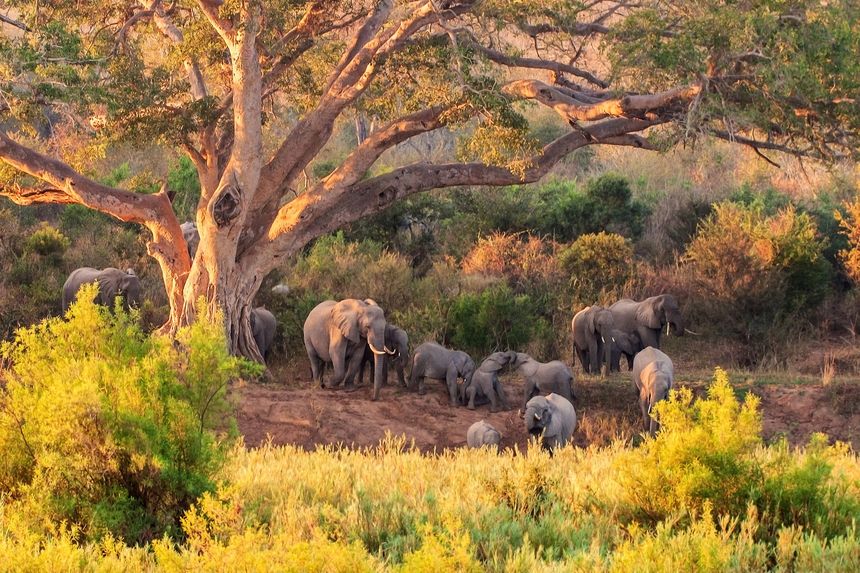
[[623, 344], [485, 382], [191, 236], [430, 360], [338, 332], [482, 434], [263, 325], [396, 340], [112, 283], [591, 327], [654, 376], [544, 377], [552, 418], [648, 317]]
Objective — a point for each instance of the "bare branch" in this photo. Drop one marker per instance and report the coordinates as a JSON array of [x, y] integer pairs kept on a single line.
[[572, 110], [13, 22], [534, 63]]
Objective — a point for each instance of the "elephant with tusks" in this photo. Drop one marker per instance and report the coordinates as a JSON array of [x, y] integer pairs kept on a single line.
[[654, 376], [648, 318], [552, 419], [338, 332], [112, 283], [482, 434], [396, 341], [591, 328]]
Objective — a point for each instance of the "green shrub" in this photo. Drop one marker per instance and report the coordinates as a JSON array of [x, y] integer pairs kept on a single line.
[[111, 430], [597, 266], [47, 242], [182, 179], [495, 319]]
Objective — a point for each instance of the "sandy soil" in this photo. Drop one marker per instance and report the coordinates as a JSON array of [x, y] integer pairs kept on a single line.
[[290, 411]]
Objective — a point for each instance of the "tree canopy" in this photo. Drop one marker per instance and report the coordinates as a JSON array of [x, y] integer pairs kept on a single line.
[[250, 91]]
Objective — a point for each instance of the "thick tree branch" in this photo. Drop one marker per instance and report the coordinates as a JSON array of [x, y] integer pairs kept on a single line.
[[573, 110], [13, 22], [223, 27]]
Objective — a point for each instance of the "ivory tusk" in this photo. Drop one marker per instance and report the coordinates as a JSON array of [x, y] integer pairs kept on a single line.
[[688, 331], [537, 416], [603, 340], [389, 351], [374, 350], [667, 327]]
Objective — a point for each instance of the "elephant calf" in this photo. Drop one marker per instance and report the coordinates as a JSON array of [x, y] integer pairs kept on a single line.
[[625, 344], [654, 375], [552, 418], [483, 434], [544, 377], [485, 382], [431, 360]]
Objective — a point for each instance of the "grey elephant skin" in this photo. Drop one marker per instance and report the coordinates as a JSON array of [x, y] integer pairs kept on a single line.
[[191, 236], [397, 341], [430, 360], [654, 376], [263, 325], [624, 344], [112, 283], [485, 382], [482, 434], [551, 418], [591, 328], [544, 377], [648, 318], [338, 332]]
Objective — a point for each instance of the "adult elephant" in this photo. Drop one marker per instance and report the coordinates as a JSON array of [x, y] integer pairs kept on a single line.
[[263, 325], [397, 341], [591, 337], [338, 332], [112, 283], [648, 318]]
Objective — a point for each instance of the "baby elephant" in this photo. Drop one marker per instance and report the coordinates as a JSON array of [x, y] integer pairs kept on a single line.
[[485, 382], [263, 325], [654, 375], [483, 434], [625, 344], [431, 360], [545, 377], [552, 418]]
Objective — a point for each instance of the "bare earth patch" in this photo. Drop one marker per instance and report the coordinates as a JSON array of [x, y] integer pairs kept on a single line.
[[293, 412]]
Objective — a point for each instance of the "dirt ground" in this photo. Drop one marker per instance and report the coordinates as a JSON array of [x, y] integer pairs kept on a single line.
[[291, 411]]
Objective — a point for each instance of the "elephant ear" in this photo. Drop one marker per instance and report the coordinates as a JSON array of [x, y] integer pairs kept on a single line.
[[345, 319], [650, 313]]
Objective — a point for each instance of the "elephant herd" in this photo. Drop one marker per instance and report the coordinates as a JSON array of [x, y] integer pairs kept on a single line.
[[351, 333]]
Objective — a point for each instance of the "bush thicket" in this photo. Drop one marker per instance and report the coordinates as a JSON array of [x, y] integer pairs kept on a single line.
[[109, 430]]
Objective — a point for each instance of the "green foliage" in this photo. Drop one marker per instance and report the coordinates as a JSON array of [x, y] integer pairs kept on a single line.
[[47, 242], [110, 430], [494, 319], [182, 179], [598, 266]]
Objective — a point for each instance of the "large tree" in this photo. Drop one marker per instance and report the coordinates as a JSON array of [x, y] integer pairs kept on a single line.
[[220, 80]]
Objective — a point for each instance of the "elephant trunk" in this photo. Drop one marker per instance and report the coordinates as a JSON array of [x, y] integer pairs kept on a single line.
[[376, 342]]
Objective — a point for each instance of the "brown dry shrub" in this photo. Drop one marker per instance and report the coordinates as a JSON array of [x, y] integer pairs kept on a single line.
[[529, 263]]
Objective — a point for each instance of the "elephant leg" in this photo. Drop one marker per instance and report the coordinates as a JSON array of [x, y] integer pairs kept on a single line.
[[470, 392], [500, 390], [582, 354], [352, 369], [629, 362], [361, 372], [646, 419], [566, 390], [401, 373], [451, 381], [594, 356], [317, 367], [529, 391], [339, 366]]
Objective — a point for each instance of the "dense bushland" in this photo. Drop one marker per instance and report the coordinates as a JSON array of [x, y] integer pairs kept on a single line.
[[108, 431], [706, 494]]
